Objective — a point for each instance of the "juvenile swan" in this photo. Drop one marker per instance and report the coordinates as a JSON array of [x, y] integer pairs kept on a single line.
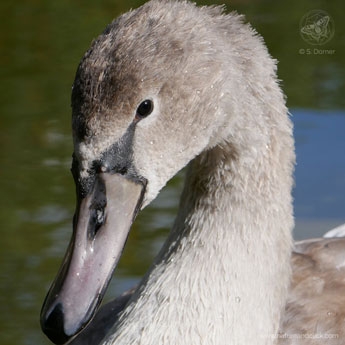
[[166, 84]]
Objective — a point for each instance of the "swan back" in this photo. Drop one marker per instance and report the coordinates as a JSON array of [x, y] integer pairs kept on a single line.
[[315, 309]]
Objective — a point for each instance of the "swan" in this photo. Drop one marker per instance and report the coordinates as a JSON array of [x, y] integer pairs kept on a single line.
[[166, 85]]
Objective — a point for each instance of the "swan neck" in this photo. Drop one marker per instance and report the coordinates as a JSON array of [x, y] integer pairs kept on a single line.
[[224, 270]]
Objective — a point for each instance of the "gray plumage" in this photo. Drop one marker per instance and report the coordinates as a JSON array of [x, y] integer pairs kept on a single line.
[[223, 275]]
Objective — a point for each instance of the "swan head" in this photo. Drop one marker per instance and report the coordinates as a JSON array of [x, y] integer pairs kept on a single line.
[[154, 90], [140, 84]]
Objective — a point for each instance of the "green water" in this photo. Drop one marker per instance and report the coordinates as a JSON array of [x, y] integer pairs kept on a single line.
[[41, 43]]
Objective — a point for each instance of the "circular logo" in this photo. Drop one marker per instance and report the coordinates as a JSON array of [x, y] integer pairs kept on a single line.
[[316, 27]]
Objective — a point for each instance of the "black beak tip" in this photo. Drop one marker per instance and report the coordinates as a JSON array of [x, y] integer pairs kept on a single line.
[[52, 326]]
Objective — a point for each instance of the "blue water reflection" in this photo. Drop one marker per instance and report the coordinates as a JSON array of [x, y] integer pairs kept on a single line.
[[320, 171]]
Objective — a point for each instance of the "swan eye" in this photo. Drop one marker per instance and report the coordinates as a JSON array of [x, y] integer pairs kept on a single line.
[[145, 108]]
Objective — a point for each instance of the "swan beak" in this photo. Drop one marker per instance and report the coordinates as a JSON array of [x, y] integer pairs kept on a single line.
[[101, 226]]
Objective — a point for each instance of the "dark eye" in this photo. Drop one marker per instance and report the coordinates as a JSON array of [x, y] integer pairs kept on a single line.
[[145, 108]]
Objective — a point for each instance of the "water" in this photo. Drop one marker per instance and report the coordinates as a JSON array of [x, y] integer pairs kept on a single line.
[[320, 171], [42, 42]]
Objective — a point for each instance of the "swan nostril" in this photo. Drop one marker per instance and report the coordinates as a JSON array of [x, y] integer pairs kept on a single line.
[[97, 208], [98, 219], [97, 215]]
